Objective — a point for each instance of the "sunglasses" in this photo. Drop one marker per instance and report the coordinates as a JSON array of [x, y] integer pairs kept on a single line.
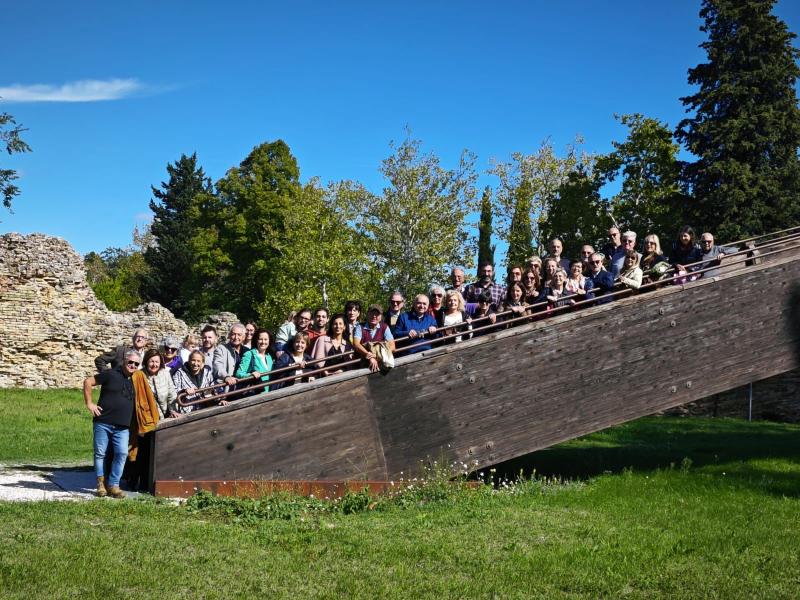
[[172, 350], [597, 262], [438, 295], [133, 363]]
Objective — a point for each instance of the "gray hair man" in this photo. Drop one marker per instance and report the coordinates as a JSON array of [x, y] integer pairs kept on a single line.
[[618, 260], [228, 356]]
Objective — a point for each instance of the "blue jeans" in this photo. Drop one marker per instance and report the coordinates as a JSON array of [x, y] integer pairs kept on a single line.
[[117, 436]]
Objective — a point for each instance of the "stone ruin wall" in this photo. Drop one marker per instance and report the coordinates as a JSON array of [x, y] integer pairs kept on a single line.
[[52, 326]]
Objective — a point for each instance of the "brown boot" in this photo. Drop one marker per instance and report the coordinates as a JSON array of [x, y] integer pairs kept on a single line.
[[115, 492], [101, 487]]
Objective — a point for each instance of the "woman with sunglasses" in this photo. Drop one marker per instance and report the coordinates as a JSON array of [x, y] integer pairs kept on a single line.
[[483, 314], [651, 257], [437, 301]]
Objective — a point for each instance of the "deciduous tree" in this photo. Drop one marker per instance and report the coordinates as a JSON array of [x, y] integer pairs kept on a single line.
[[324, 260], [532, 180], [578, 215], [418, 225], [647, 163]]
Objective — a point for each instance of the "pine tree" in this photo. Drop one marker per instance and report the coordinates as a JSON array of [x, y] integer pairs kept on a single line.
[[170, 257], [485, 247], [745, 131]]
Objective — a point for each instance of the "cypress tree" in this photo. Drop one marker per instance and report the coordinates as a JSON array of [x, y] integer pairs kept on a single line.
[[745, 131], [170, 258], [485, 247], [520, 234]]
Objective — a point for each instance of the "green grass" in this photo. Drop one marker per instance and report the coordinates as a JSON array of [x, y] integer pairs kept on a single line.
[[44, 427], [662, 507]]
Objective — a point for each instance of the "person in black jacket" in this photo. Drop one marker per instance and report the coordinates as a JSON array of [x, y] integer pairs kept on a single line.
[[602, 280], [116, 357]]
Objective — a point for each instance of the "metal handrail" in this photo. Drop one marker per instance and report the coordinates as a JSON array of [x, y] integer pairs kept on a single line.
[[497, 325]]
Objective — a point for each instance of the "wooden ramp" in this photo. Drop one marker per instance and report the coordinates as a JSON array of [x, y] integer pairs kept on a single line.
[[506, 394]]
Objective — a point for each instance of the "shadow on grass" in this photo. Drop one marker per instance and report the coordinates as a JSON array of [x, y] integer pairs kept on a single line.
[[736, 447]]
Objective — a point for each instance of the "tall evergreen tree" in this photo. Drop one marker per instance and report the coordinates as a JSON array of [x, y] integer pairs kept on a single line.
[[240, 232], [520, 232], [170, 257], [745, 131], [485, 247]]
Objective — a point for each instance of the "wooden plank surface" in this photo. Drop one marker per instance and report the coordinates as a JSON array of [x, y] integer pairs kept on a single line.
[[509, 393]]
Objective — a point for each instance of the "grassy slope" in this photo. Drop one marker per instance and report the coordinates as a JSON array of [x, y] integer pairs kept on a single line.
[[723, 526]]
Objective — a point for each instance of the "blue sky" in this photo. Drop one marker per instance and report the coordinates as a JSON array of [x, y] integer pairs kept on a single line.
[[336, 81]]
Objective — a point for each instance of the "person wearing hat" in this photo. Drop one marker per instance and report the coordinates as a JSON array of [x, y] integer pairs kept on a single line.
[[375, 330], [170, 347]]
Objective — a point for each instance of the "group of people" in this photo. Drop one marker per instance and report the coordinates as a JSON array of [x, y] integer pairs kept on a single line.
[[140, 386]]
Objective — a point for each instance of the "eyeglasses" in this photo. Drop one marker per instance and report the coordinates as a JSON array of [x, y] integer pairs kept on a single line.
[[649, 243], [139, 337], [396, 301], [597, 262], [133, 363], [706, 241], [303, 319], [627, 241]]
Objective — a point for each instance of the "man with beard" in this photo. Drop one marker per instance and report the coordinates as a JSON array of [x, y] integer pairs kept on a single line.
[[485, 282]]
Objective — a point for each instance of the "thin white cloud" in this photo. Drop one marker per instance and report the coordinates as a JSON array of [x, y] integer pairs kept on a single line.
[[85, 90]]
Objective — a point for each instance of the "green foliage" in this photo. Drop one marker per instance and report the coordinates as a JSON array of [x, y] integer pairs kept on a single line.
[[239, 232], [520, 232], [324, 257], [532, 180], [485, 247], [116, 274], [11, 142], [577, 216], [647, 161], [170, 257], [745, 130], [724, 528], [417, 227]]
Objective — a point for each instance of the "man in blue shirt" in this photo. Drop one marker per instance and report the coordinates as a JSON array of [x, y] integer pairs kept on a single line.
[[417, 324]]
